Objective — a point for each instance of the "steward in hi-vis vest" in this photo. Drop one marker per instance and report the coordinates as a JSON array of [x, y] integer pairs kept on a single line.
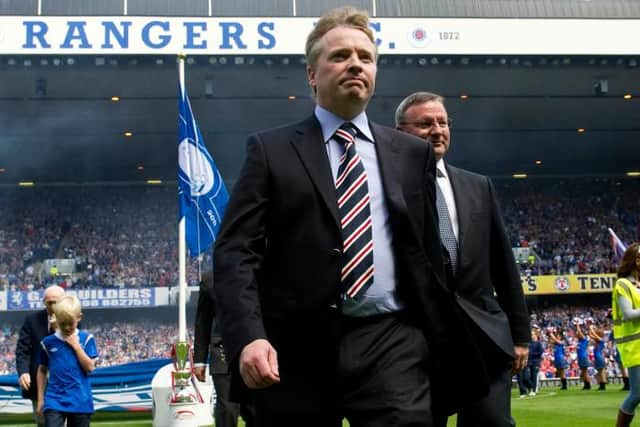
[[626, 331], [625, 311]]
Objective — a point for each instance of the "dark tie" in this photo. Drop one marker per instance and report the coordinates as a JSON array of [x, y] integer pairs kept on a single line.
[[355, 214], [447, 235]]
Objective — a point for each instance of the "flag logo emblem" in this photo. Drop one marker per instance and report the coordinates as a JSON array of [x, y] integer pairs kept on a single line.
[[197, 169]]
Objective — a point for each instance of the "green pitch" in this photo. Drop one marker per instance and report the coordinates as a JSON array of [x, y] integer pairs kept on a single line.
[[568, 408], [550, 408]]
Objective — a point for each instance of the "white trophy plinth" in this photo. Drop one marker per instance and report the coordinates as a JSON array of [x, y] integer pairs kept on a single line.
[[180, 414]]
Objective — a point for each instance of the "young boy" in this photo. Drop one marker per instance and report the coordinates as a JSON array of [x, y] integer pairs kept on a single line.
[[69, 356]]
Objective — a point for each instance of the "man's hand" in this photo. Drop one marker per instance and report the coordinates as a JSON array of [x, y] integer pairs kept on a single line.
[[198, 371], [25, 381], [39, 407], [259, 364], [522, 354]]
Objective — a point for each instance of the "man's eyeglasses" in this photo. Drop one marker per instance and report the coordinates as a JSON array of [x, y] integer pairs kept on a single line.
[[428, 124]]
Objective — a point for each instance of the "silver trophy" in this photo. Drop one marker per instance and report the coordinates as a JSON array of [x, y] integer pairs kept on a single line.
[[184, 389]]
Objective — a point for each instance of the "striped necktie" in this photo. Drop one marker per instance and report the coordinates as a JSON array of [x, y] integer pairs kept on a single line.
[[353, 204], [447, 236]]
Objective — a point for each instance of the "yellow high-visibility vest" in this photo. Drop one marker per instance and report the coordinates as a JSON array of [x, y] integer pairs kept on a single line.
[[626, 332]]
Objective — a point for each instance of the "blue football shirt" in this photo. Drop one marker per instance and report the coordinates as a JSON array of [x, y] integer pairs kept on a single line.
[[68, 388]]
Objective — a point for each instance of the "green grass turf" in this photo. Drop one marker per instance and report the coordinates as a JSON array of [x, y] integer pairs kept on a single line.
[[568, 408], [120, 419], [550, 408]]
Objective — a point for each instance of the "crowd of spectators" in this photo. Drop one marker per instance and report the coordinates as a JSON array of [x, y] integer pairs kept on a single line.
[[117, 236], [126, 236], [564, 318], [566, 221], [118, 342], [8, 340], [124, 342]]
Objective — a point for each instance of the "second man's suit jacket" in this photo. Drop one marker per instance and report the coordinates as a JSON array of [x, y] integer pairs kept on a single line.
[[207, 342], [34, 329], [278, 258], [487, 282]]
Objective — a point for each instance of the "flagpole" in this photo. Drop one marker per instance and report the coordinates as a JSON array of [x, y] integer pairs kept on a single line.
[[197, 176], [182, 249]]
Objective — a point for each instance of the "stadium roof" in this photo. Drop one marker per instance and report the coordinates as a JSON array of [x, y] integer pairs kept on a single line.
[[59, 123], [287, 8]]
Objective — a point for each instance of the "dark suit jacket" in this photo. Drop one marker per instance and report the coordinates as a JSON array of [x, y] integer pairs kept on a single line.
[[487, 282], [277, 262], [206, 335], [34, 329]]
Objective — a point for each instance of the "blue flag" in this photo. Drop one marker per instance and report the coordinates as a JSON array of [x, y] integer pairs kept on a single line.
[[201, 191]]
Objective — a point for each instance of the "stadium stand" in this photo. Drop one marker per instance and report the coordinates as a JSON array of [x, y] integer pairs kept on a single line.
[[125, 236], [117, 237], [565, 220], [137, 340]]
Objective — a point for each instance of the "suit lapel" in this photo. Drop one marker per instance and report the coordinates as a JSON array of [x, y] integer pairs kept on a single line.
[[388, 153], [309, 144]]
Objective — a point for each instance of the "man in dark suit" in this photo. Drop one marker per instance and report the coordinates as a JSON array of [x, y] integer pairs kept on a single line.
[[328, 267], [480, 264], [208, 342], [36, 326]]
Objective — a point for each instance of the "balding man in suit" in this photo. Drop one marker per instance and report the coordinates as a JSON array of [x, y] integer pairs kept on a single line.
[[35, 327]]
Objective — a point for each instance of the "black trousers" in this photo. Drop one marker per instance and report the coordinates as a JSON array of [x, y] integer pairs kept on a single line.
[[69, 419], [493, 410], [382, 375], [528, 379], [225, 412]]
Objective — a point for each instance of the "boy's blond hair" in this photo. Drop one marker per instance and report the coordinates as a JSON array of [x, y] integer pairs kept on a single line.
[[67, 310]]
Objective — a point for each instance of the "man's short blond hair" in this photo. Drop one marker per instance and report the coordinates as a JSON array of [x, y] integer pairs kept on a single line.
[[340, 17], [68, 310]]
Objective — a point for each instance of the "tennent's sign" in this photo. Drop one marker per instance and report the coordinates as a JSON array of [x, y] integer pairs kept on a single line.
[[568, 284]]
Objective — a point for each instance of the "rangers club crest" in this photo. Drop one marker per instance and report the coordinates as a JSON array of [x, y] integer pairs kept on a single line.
[[562, 283], [418, 36]]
